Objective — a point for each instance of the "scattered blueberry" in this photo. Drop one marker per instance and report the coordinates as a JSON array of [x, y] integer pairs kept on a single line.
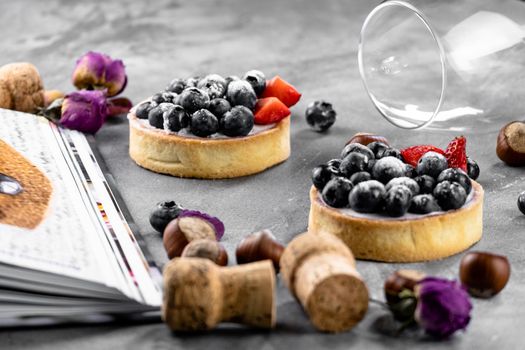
[[335, 192], [163, 213], [353, 163], [214, 85], [172, 118], [360, 177], [193, 81], [155, 115], [410, 171], [257, 80], [397, 200], [237, 122], [431, 163], [450, 195], [472, 169], [203, 123], [176, 86], [378, 148], [456, 175], [387, 168], [193, 99], [392, 152], [357, 148], [143, 109], [367, 196], [321, 175], [411, 184], [320, 115], [426, 183], [219, 107], [423, 204], [521, 202], [240, 93]]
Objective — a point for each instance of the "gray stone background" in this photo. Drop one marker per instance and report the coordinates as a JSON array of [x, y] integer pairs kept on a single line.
[[311, 44]]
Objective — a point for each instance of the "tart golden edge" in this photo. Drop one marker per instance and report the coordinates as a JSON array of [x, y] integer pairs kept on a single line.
[[430, 237], [217, 158]]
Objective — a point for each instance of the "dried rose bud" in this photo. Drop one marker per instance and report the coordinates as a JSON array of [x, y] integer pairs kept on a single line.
[[118, 106], [99, 71], [84, 111], [443, 306], [51, 95]]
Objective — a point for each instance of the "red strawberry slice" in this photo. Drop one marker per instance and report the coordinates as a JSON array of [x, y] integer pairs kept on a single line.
[[412, 154], [270, 110], [284, 91], [456, 153]]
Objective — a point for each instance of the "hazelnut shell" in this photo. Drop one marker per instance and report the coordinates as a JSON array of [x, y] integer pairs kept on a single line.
[[400, 280], [510, 147], [183, 230], [206, 249], [484, 274], [259, 246], [365, 138]]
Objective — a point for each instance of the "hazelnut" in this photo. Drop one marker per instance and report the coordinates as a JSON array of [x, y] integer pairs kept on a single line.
[[206, 249], [511, 144], [484, 274], [399, 281], [259, 246], [183, 230], [365, 138]]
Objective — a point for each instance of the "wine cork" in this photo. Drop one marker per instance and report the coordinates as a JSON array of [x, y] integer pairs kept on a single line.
[[198, 294], [319, 270]]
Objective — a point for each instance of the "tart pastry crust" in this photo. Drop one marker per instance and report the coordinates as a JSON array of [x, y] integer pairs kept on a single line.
[[429, 237]]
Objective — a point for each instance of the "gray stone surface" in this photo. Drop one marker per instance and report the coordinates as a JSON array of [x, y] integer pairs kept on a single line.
[[310, 43]]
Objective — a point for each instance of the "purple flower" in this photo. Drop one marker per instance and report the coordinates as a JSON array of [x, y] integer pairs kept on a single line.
[[84, 111], [215, 222], [98, 71], [443, 306]]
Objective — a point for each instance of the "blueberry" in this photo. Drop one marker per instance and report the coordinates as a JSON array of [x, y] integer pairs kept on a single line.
[[237, 122], [219, 106], [387, 168], [371, 163], [392, 152], [203, 123], [214, 85], [353, 163], [423, 204], [193, 81], [155, 115], [163, 213], [367, 196], [321, 175], [161, 97], [185, 120], [358, 148], [335, 192], [410, 171], [456, 175], [172, 118], [397, 200], [521, 202], [257, 80], [334, 165], [472, 169], [360, 177], [450, 195], [229, 79], [240, 93], [426, 183], [411, 184], [378, 148], [431, 163], [143, 109], [320, 115], [176, 86], [192, 99]]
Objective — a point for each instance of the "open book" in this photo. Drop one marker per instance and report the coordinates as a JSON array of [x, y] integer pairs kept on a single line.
[[84, 258]]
